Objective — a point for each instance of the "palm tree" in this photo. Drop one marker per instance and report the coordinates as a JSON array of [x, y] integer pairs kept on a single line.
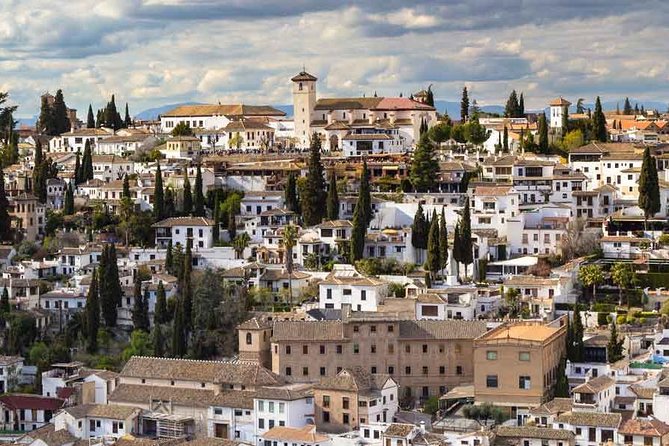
[[289, 241], [240, 243]]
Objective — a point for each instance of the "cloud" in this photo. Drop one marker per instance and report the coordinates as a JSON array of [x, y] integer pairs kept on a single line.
[[150, 52]]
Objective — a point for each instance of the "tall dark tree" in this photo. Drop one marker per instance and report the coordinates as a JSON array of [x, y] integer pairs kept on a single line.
[[543, 134], [419, 232], [160, 311], [467, 254], [429, 100], [87, 163], [599, 122], [521, 105], [359, 231], [614, 348], [77, 170], [464, 105], [90, 119], [110, 287], [313, 196], [433, 262], [169, 259], [186, 289], [364, 194], [158, 342], [333, 197], [127, 122], [158, 195], [562, 383], [290, 194], [512, 108], [140, 310], [187, 205], [457, 246], [505, 139], [92, 315], [45, 122], [578, 347], [61, 119], [198, 207], [443, 241], [169, 206], [179, 343], [649, 187], [4, 302], [424, 166], [5, 220], [627, 108], [68, 205]]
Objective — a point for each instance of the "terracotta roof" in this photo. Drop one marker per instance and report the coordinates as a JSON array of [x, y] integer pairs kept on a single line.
[[399, 430], [306, 434], [242, 125], [559, 102], [307, 330], [110, 411], [595, 385], [303, 76], [208, 441], [402, 104], [347, 103], [594, 419], [201, 371], [49, 435], [141, 394], [17, 401], [554, 406], [646, 428], [289, 392], [544, 433], [645, 393], [448, 329], [367, 137], [227, 110], [355, 380], [183, 221]]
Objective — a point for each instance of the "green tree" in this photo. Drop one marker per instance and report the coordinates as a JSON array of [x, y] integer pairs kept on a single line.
[[77, 169], [140, 345], [543, 134], [599, 122], [512, 108], [418, 229], [240, 243], [68, 207], [186, 289], [467, 253], [359, 231], [590, 276], [433, 263], [236, 141], [182, 129], [289, 242], [578, 346], [623, 276], [505, 139], [158, 197], [127, 122], [314, 195], [429, 100], [5, 220], [187, 206], [198, 209], [649, 188], [45, 122], [333, 198], [61, 120], [627, 108], [443, 242], [87, 163], [475, 133], [126, 187], [521, 106], [364, 194], [464, 105], [440, 132], [169, 206], [614, 348], [169, 263], [92, 315], [90, 119], [572, 140], [424, 166], [562, 384], [160, 315], [179, 342], [4, 302], [158, 342], [290, 194]]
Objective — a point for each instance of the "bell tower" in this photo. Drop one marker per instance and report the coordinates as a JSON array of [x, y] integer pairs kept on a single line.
[[304, 101]]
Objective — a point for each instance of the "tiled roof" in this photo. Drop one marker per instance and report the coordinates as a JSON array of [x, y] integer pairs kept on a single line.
[[355, 379], [17, 401], [102, 411], [227, 110], [645, 393], [646, 428], [594, 419], [402, 104], [311, 330], [142, 394], [543, 433], [49, 435], [448, 329], [289, 392], [595, 385], [303, 435], [399, 430], [202, 371], [559, 102], [303, 76], [184, 221], [347, 103], [556, 405]]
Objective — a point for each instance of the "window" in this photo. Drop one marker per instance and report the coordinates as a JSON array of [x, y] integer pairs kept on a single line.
[[345, 403], [288, 371], [261, 406], [424, 348], [356, 329], [491, 355], [322, 371], [345, 418], [363, 296], [373, 348], [305, 371], [647, 441], [91, 425], [442, 370], [491, 381], [356, 348], [326, 401], [407, 349], [391, 328], [391, 370], [407, 370], [249, 339], [288, 349], [424, 370], [372, 329], [339, 349], [523, 356], [458, 370], [524, 382], [326, 417], [261, 423], [347, 292], [305, 349], [391, 348], [322, 349]]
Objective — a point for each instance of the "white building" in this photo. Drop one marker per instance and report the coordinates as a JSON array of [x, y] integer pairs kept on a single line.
[[558, 108], [287, 406], [75, 141], [87, 421], [344, 285], [199, 230]]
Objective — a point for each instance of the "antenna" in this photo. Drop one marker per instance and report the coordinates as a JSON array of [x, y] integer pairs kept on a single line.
[[304, 70]]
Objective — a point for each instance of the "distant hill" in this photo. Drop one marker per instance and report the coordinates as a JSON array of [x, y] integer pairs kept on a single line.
[[153, 113]]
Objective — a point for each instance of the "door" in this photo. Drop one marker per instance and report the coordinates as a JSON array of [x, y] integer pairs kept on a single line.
[[220, 430]]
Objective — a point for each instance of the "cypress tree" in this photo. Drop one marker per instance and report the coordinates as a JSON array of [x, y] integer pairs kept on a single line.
[[457, 247], [90, 120], [217, 219], [126, 187], [543, 134], [158, 342], [127, 122], [579, 348], [77, 170], [418, 234], [87, 163], [562, 384], [466, 236], [521, 106], [5, 221], [158, 198], [61, 120], [4, 302], [92, 315], [627, 108], [68, 207], [649, 187], [187, 208], [232, 226], [443, 242], [424, 166], [114, 281], [290, 194], [430, 97], [314, 194], [614, 348], [45, 123], [137, 308], [359, 231], [170, 208], [599, 122], [464, 105], [106, 300], [511, 109], [186, 288], [433, 263], [333, 198], [199, 196], [505, 139], [169, 263], [160, 311], [364, 194], [39, 154], [178, 332]]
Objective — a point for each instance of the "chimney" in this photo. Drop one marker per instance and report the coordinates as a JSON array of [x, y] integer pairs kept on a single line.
[[422, 427]]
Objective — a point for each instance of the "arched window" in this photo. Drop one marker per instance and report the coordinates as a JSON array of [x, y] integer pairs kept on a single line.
[[300, 86], [249, 341]]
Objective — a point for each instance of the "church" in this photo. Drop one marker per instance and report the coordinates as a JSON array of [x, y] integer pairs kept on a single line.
[[357, 126]]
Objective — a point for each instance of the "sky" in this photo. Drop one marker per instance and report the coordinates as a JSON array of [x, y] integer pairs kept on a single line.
[[150, 52]]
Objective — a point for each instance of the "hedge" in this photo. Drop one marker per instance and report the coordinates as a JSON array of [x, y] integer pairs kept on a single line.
[[653, 280]]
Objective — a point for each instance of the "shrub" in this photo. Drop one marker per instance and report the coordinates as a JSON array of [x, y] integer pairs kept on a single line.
[[602, 319], [621, 319]]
